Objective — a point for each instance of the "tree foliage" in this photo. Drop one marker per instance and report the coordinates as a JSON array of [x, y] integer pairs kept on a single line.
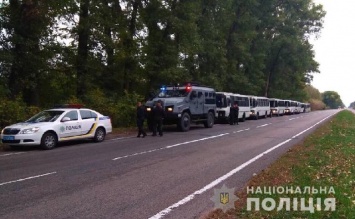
[[51, 51], [332, 99]]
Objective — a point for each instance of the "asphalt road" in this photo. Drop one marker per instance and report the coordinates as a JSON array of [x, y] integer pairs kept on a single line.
[[156, 177]]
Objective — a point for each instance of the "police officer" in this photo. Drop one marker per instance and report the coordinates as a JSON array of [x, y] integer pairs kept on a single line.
[[232, 115], [158, 114], [140, 120], [236, 111]]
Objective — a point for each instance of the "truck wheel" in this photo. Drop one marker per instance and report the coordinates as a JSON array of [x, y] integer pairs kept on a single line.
[[257, 116], [210, 120], [185, 122], [49, 141]]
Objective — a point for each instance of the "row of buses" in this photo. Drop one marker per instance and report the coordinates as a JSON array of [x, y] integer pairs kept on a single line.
[[256, 107], [192, 103]]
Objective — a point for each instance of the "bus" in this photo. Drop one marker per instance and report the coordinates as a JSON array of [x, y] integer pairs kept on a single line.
[[259, 106], [298, 107], [243, 102], [307, 107], [277, 106], [223, 104], [225, 100], [290, 107]]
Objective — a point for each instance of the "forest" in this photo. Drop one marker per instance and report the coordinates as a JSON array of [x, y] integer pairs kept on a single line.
[[108, 54]]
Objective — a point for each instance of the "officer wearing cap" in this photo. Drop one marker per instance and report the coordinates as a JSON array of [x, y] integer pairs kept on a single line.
[[158, 114]]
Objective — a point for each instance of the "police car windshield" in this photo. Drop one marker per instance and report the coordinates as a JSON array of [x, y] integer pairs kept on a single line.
[[173, 93], [46, 116]]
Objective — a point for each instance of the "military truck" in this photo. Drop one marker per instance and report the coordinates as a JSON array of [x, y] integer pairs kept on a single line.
[[185, 104]]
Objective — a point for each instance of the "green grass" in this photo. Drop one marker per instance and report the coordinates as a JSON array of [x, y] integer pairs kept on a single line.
[[324, 159]]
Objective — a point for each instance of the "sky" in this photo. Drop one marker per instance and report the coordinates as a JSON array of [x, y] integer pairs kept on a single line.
[[335, 50]]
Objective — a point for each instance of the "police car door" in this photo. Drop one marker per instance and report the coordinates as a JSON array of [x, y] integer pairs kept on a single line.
[[88, 119], [72, 127]]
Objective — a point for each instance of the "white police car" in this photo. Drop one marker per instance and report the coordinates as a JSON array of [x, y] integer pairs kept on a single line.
[[67, 122]]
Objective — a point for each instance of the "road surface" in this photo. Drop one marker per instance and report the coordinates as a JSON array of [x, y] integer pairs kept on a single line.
[[156, 177]]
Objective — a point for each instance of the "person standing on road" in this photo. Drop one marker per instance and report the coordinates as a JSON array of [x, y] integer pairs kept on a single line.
[[232, 115], [140, 120], [158, 116], [236, 111]]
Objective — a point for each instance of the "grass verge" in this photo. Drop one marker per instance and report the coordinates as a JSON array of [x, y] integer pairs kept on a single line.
[[325, 159]]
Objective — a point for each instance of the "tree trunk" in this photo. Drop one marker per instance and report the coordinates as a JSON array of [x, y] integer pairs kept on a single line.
[[83, 48]]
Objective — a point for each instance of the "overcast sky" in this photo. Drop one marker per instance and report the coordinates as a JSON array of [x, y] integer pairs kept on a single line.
[[335, 50]]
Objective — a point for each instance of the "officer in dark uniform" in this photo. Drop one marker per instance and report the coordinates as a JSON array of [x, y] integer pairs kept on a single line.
[[158, 114], [140, 120], [232, 115], [236, 110]]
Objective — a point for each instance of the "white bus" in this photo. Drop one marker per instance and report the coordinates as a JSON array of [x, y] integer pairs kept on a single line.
[[259, 106], [277, 106], [225, 100], [223, 103], [306, 107], [243, 102], [298, 108], [290, 107]]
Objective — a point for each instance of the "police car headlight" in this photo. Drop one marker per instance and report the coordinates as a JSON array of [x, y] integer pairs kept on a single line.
[[29, 131], [170, 109], [149, 109]]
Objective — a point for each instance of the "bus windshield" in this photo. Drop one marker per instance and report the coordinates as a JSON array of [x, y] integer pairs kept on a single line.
[[221, 100], [273, 103]]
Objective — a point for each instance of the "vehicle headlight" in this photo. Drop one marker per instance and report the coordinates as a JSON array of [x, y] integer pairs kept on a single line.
[[149, 109], [29, 131], [170, 109], [252, 112]]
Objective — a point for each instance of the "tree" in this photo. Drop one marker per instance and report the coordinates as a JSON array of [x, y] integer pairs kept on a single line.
[[313, 93], [332, 99]]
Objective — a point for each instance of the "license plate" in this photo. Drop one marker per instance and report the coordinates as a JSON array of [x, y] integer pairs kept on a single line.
[[8, 138]]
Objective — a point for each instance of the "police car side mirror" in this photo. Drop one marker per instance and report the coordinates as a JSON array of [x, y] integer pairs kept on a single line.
[[65, 119]]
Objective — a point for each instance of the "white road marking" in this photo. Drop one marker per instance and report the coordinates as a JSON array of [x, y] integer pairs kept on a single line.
[[31, 177], [120, 138], [242, 130], [188, 198], [298, 117], [263, 125], [170, 146], [9, 154]]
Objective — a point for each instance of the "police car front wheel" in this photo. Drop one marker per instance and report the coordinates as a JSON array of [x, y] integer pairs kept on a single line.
[[49, 141]]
